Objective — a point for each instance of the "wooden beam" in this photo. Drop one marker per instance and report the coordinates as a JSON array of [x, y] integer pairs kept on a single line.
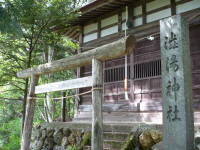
[[109, 51], [97, 99], [78, 70], [30, 108], [64, 85]]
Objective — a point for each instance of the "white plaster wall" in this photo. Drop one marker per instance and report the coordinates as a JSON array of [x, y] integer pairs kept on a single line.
[[159, 15], [109, 31], [157, 4], [109, 21], [138, 22], [137, 11], [89, 28], [188, 6], [89, 37]]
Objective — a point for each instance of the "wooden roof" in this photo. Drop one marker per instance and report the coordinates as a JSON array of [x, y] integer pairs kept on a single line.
[[91, 12], [99, 8]]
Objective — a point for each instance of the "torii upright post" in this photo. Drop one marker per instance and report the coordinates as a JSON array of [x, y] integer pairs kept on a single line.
[[176, 84], [30, 108], [97, 98]]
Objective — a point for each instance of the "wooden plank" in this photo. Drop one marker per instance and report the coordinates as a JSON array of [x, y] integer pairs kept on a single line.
[[64, 85], [97, 99], [30, 107], [109, 51]]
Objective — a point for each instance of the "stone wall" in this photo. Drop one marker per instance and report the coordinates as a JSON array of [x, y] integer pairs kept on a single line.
[[76, 136], [59, 138]]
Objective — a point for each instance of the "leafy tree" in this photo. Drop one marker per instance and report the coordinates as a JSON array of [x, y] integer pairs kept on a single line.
[[26, 33]]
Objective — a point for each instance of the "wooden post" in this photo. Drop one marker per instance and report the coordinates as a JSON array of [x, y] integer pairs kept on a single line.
[[63, 106], [97, 99], [144, 12], [176, 84], [28, 123]]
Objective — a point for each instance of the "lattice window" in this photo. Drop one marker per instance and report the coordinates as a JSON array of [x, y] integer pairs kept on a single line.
[[143, 70]]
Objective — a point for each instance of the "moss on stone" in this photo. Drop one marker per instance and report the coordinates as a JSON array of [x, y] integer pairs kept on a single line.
[[129, 144], [86, 139]]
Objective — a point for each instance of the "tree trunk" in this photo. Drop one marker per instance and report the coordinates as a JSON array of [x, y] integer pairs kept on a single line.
[[26, 90]]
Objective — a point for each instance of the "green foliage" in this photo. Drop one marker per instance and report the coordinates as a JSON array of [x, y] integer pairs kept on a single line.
[[71, 147], [26, 33], [10, 135], [85, 141]]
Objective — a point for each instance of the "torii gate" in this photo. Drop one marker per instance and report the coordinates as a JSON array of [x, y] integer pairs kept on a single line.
[[96, 57]]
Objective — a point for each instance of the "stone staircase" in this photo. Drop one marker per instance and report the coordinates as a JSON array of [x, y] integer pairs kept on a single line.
[[113, 140], [115, 136]]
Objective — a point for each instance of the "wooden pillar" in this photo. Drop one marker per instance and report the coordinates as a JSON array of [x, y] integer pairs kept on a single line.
[[132, 76], [99, 28], [178, 123], [119, 21], [97, 99], [63, 106], [144, 11], [78, 71], [30, 107], [173, 7]]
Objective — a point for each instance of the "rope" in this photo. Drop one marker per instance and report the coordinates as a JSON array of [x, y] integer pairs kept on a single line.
[[126, 63], [71, 96]]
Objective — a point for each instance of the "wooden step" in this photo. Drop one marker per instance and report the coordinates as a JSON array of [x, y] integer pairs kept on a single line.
[[121, 136], [114, 144], [87, 147]]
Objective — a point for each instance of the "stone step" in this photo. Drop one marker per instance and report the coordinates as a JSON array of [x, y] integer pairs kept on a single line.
[[120, 136], [113, 144], [87, 147]]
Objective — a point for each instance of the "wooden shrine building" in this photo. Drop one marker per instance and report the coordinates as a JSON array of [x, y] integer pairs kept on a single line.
[[105, 21], [119, 62]]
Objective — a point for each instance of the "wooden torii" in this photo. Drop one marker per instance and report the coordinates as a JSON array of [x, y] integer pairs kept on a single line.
[[95, 56]]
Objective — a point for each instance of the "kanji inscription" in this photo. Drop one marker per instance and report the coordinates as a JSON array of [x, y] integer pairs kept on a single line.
[[178, 121]]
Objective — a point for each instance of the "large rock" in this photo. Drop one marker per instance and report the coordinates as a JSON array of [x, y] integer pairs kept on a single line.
[[197, 143], [36, 134], [58, 148], [49, 143], [149, 138], [64, 142], [72, 139], [37, 145], [43, 134], [66, 132], [58, 135], [50, 132]]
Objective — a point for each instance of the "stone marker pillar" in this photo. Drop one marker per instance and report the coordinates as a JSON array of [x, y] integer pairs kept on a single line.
[[97, 99], [176, 84]]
